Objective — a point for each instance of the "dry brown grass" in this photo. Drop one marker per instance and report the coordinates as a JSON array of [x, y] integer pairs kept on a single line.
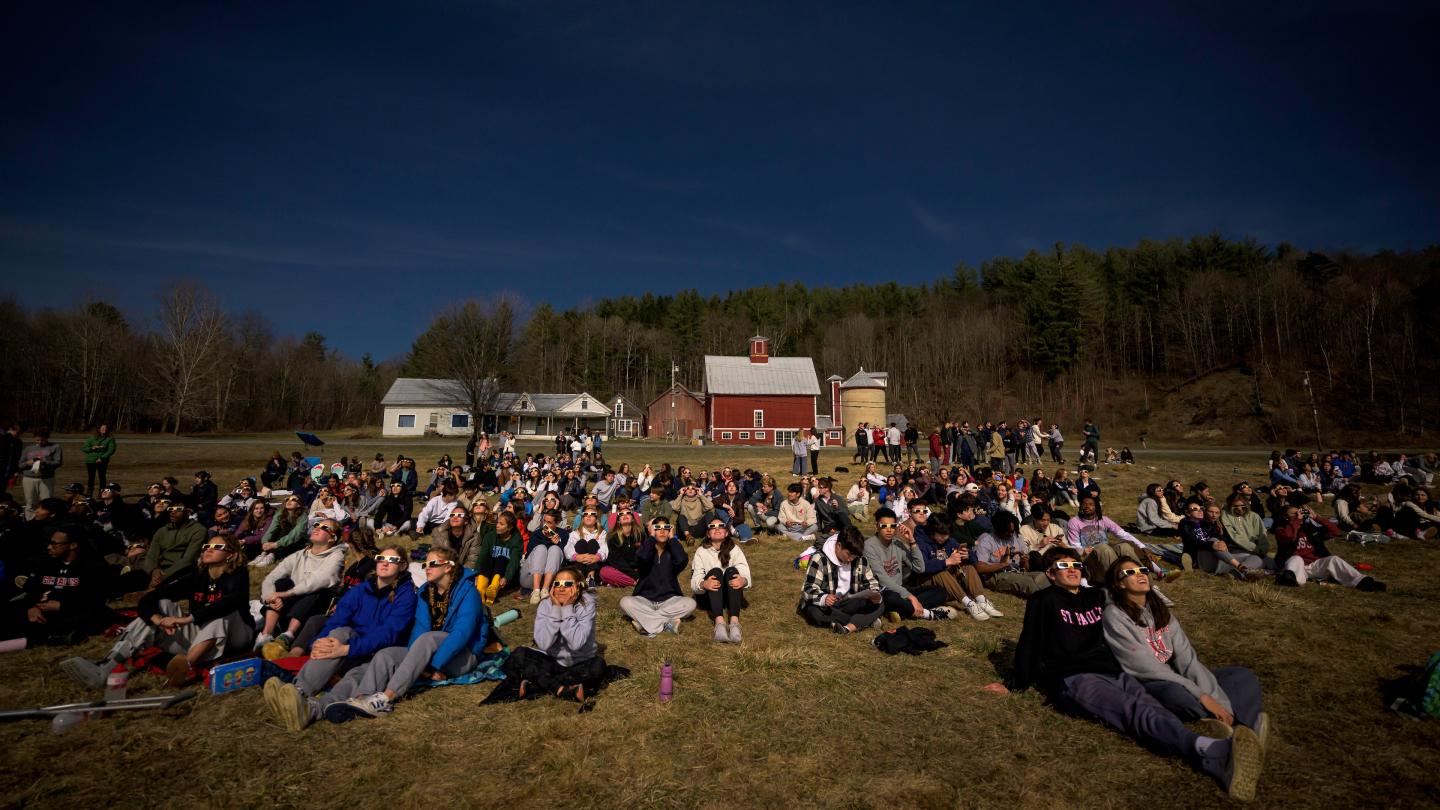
[[793, 717]]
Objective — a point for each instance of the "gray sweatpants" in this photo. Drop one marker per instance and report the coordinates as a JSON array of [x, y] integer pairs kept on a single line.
[[395, 669], [1332, 568], [541, 561], [653, 616], [36, 490], [317, 673], [229, 631]]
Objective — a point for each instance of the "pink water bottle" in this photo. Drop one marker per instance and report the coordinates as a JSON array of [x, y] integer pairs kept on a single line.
[[667, 683], [116, 683]]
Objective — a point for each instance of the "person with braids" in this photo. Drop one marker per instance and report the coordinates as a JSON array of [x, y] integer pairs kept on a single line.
[[1150, 645], [565, 661], [719, 576], [217, 587], [450, 630], [375, 614]]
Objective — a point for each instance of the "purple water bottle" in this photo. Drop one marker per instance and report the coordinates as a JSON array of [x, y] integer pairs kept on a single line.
[[667, 683]]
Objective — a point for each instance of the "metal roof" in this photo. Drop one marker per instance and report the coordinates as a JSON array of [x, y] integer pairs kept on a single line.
[[414, 391], [695, 395], [867, 379], [782, 375]]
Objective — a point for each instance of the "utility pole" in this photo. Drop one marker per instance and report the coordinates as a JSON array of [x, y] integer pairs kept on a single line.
[[674, 424], [1314, 413]]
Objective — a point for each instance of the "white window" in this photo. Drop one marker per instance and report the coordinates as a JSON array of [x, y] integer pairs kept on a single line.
[[619, 408], [625, 426], [759, 419], [744, 434], [459, 420], [725, 435], [783, 438], [760, 434], [584, 404], [405, 420]]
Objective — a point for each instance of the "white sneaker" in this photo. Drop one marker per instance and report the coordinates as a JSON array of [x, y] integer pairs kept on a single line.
[[534, 597], [976, 612], [263, 639], [545, 593], [991, 610], [944, 613], [263, 560]]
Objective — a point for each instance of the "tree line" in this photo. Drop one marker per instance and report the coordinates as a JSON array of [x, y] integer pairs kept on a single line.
[[1065, 333]]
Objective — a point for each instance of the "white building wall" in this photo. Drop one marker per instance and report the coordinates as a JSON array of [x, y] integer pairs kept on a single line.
[[424, 415]]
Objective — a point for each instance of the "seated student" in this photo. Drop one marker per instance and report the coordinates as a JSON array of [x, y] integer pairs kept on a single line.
[[764, 506], [840, 591], [544, 557], [1062, 651], [1415, 515], [174, 546], [392, 516], [1150, 517], [301, 586], [548, 501], [1003, 559], [63, 600], [796, 517], [1300, 553], [730, 507], [1210, 552], [450, 630], [432, 515], [831, 513], [565, 661], [655, 505], [656, 604], [1090, 533], [947, 566], [496, 558], [286, 533], [718, 578], [692, 509], [1150, 645], [1040, 533], [586, 549], [375, 614], [857, 500], [218, 589], [621, 568], [456, 529], [1244, 529], [891, 556]]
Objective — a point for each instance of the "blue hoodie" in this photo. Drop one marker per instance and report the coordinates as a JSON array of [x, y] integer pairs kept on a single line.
[[377, 621], [466, 621], [934, 555]]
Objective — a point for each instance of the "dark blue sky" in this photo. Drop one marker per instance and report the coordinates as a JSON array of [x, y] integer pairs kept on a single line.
[[353, 170]]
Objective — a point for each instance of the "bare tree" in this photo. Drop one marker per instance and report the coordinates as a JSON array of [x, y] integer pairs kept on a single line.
[[187, 341], [471, 345]]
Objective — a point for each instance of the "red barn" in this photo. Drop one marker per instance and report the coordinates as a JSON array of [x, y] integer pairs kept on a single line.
[[759, 400]]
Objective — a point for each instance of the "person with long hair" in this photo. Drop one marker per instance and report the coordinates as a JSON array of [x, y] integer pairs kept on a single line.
[[586, 549], [565, 661], [496, 561], [1148, 517], [301, 586], [544, 556], [622, 568], [1415, 513], [285, 532], [1099, 540], [450, 630], [1152, 647], [218, 622], [453, 533], [372, 615], [719, 575]]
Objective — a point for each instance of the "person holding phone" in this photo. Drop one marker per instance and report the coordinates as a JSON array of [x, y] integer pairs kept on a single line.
[[840, 590], [544, 557]]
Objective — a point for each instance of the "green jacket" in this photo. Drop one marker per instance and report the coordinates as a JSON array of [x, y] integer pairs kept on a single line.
[[298, 533], [98, 448], [493, 551], [174, 548]]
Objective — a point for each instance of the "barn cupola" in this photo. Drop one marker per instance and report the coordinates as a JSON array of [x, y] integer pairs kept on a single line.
[[759, 349]]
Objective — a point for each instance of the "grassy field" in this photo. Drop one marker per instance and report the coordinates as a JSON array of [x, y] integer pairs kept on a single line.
[[794, 716]]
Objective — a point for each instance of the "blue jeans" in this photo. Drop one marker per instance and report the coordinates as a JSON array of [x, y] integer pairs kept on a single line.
[[1239, 683], [798, 466]]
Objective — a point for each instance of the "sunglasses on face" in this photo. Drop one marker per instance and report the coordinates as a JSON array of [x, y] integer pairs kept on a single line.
[[660, 527], [1126, 573], [563, 583], [1066, 565], [592, 514], [889, 524], [716, 526], [434, 563], [213, 547], [388, 558], [325, 528]]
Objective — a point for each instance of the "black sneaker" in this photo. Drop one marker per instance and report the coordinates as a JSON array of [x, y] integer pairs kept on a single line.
[[1287, 579], [1370, 585], [840, 629]]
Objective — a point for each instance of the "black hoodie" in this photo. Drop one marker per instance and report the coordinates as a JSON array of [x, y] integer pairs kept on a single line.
[[1062, 636]]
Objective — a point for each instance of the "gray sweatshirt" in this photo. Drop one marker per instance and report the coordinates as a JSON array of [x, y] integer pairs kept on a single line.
[[890, 563], [48, 455], [1148, 517], [1163, 655], [566, 633]]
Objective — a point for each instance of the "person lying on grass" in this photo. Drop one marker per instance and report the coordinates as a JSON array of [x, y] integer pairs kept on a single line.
[[565, 661], [892, 558], [1301, 555], [373, 615], [1062, 652], [451, 629], [840, 591], [1149, 643], [718, 579], [217, 587]]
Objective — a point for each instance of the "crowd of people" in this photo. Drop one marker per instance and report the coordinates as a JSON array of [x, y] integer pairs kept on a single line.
[[384, 576]]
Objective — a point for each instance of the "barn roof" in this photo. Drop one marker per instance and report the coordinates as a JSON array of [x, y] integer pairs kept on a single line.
[[695, 395], [782, 375]]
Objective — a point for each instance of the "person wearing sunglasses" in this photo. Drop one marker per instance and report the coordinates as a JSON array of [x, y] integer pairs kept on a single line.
[[657, 605], [621, 568], [892, 557], [174, 546], [1062, 652], [718, 578], [1244, 529], [301, 586], [565, 661], [218, 623], [544, 556], [450, 630], [1150, 644], [1205, 542], [286, 533], [586, 548], [63, 599], [455, 531], [1095, 537], [373, 615], [496, 558]]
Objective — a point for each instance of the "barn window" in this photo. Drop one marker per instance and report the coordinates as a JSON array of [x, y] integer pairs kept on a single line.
[[760, 434], [725, 435], [759, 419], [405, 420], [783, 438], [744, 434]]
